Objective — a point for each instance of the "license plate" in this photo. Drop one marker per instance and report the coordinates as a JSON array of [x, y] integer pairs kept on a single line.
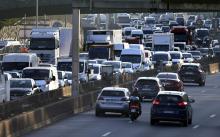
[[133, 110], [168, 112]]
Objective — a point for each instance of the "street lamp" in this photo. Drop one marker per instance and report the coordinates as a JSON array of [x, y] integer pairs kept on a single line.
[[37, 13]]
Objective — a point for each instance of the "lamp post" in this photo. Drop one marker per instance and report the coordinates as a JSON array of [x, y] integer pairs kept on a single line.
[[37, 13]]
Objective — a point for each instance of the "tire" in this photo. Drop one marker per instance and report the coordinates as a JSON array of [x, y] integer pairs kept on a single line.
[[190, 121], [185, 122], [153, 121], [98, 113]]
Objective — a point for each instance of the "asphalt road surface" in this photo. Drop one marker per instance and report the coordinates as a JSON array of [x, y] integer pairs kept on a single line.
[[206, 120]]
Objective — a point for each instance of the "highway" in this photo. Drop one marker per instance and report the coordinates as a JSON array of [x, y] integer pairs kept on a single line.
[[206, 120]]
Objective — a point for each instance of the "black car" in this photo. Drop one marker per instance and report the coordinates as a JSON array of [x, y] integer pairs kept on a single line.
[[171, 106], [192, 73]]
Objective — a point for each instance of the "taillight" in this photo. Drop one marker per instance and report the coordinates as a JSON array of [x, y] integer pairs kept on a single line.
[[100, 98], [182, 104], [156, 102]]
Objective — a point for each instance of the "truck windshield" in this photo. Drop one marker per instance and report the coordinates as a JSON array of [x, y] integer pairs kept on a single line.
[[181, 46], [180, 38], [9, 66], [99, 52], [131, 58], [161, 48], [124, 20], [42, 44], [67, 66], [117, 53], [36, 74]]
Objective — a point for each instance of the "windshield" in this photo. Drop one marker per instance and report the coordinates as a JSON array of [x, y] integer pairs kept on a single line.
[[148, 31], [20, 84], [175, 56], [126, 65], [187, 55], [96, 69], [60, 76], [158, 57], [124, 20], [180, 37], [202, 33], [150, 21], [99, 52], [64, 66], [116, 65], [181, 46], [189, 67], [146, 83], [196, 53], [127, 32], [42, 44], [36, 74], [68, 76], [9, 66], [167, 76], [169, 99], [131, 58], [161, 48], [117, 53]]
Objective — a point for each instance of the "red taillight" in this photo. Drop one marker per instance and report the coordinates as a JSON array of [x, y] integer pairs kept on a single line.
[[182, 104], [134, 105], [156, 102], [100, 98]]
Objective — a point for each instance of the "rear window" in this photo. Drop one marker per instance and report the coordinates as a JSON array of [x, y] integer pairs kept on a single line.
[[146, 82], [113, 93], [168, 76], [169, 98], [189, 67]]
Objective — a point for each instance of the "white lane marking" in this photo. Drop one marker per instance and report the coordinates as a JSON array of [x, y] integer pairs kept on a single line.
[[196, 126], [106, 134], [212, 116], [203, 91]]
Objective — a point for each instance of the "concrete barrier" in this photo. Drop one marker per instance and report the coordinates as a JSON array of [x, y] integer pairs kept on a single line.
[[213, 68]]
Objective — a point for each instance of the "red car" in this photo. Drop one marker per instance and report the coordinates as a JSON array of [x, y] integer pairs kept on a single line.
[[170, 81]]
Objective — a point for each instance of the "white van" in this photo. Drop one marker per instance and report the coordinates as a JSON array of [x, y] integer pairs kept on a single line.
[[17, 61], [135, 56], [118, 47], [46, 78], [6, 43], [162, 56]]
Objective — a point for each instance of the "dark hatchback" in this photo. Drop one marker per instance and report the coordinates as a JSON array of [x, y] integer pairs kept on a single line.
[[171, 106], [192, 73]]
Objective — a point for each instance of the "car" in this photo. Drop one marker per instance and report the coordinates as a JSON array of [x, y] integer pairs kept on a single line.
[[68, 76], [61, 77], [170, 81], [117, 66], [177, 57], [128, 67], [172, 106], [91, 62], [20, 87], [113, 99], [196, 54], [187, 57], [192, 73], [147, 87], [97, 71]]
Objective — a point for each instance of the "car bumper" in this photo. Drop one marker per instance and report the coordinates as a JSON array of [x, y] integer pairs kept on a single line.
[[123, 108]]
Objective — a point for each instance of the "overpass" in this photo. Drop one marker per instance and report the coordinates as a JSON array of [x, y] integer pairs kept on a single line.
[[18, 8]]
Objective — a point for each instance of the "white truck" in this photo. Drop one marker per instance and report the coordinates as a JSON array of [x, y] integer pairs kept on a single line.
[[118, 47], [65, 41], [99, 43], [163, 42], [123, 20], [4, 89]]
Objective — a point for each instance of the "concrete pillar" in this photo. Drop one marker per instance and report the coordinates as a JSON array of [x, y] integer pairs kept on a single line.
[[75, 51]]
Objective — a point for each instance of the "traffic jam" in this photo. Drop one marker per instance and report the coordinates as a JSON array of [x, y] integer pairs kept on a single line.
[[139, 43]]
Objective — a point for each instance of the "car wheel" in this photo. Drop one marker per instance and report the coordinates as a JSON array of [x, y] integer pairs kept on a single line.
[[98, 113], [190, 121], [202, 83], [153, 121], [185, 122]]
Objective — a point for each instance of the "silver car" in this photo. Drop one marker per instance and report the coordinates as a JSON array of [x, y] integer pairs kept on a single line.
[[113, 99]]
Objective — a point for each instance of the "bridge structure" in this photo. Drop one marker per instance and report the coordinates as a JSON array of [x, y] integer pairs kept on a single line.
[[19, 8]]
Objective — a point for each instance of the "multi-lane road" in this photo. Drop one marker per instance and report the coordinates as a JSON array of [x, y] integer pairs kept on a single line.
[[206, 120]]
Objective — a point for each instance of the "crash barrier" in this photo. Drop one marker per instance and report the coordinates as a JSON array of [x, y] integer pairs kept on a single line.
[[61, 108]]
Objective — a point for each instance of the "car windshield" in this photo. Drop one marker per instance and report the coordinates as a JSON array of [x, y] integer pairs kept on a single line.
[[158, 57], [9, 66], [67, 66], [148, 32], [20, 84], [180, 38], [202, 33], [161, 48], [116, 65], [131, 58], [113, 93], [169, 98], [187, 55], [175, 56], [36, 74], [126, 65], [167, 76]]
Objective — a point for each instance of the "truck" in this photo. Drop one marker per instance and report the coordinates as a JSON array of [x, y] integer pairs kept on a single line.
[[100, 43], [181, 34], [163, 42], [65, 42], [123, 20], [45, 43]]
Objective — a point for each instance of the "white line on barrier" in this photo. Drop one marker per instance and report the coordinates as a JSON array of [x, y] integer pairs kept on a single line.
[[106, 134]]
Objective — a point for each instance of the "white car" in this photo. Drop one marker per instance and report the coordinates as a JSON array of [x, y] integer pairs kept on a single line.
[[177, 57], [187, 58], [128, 67], [97, 70]]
